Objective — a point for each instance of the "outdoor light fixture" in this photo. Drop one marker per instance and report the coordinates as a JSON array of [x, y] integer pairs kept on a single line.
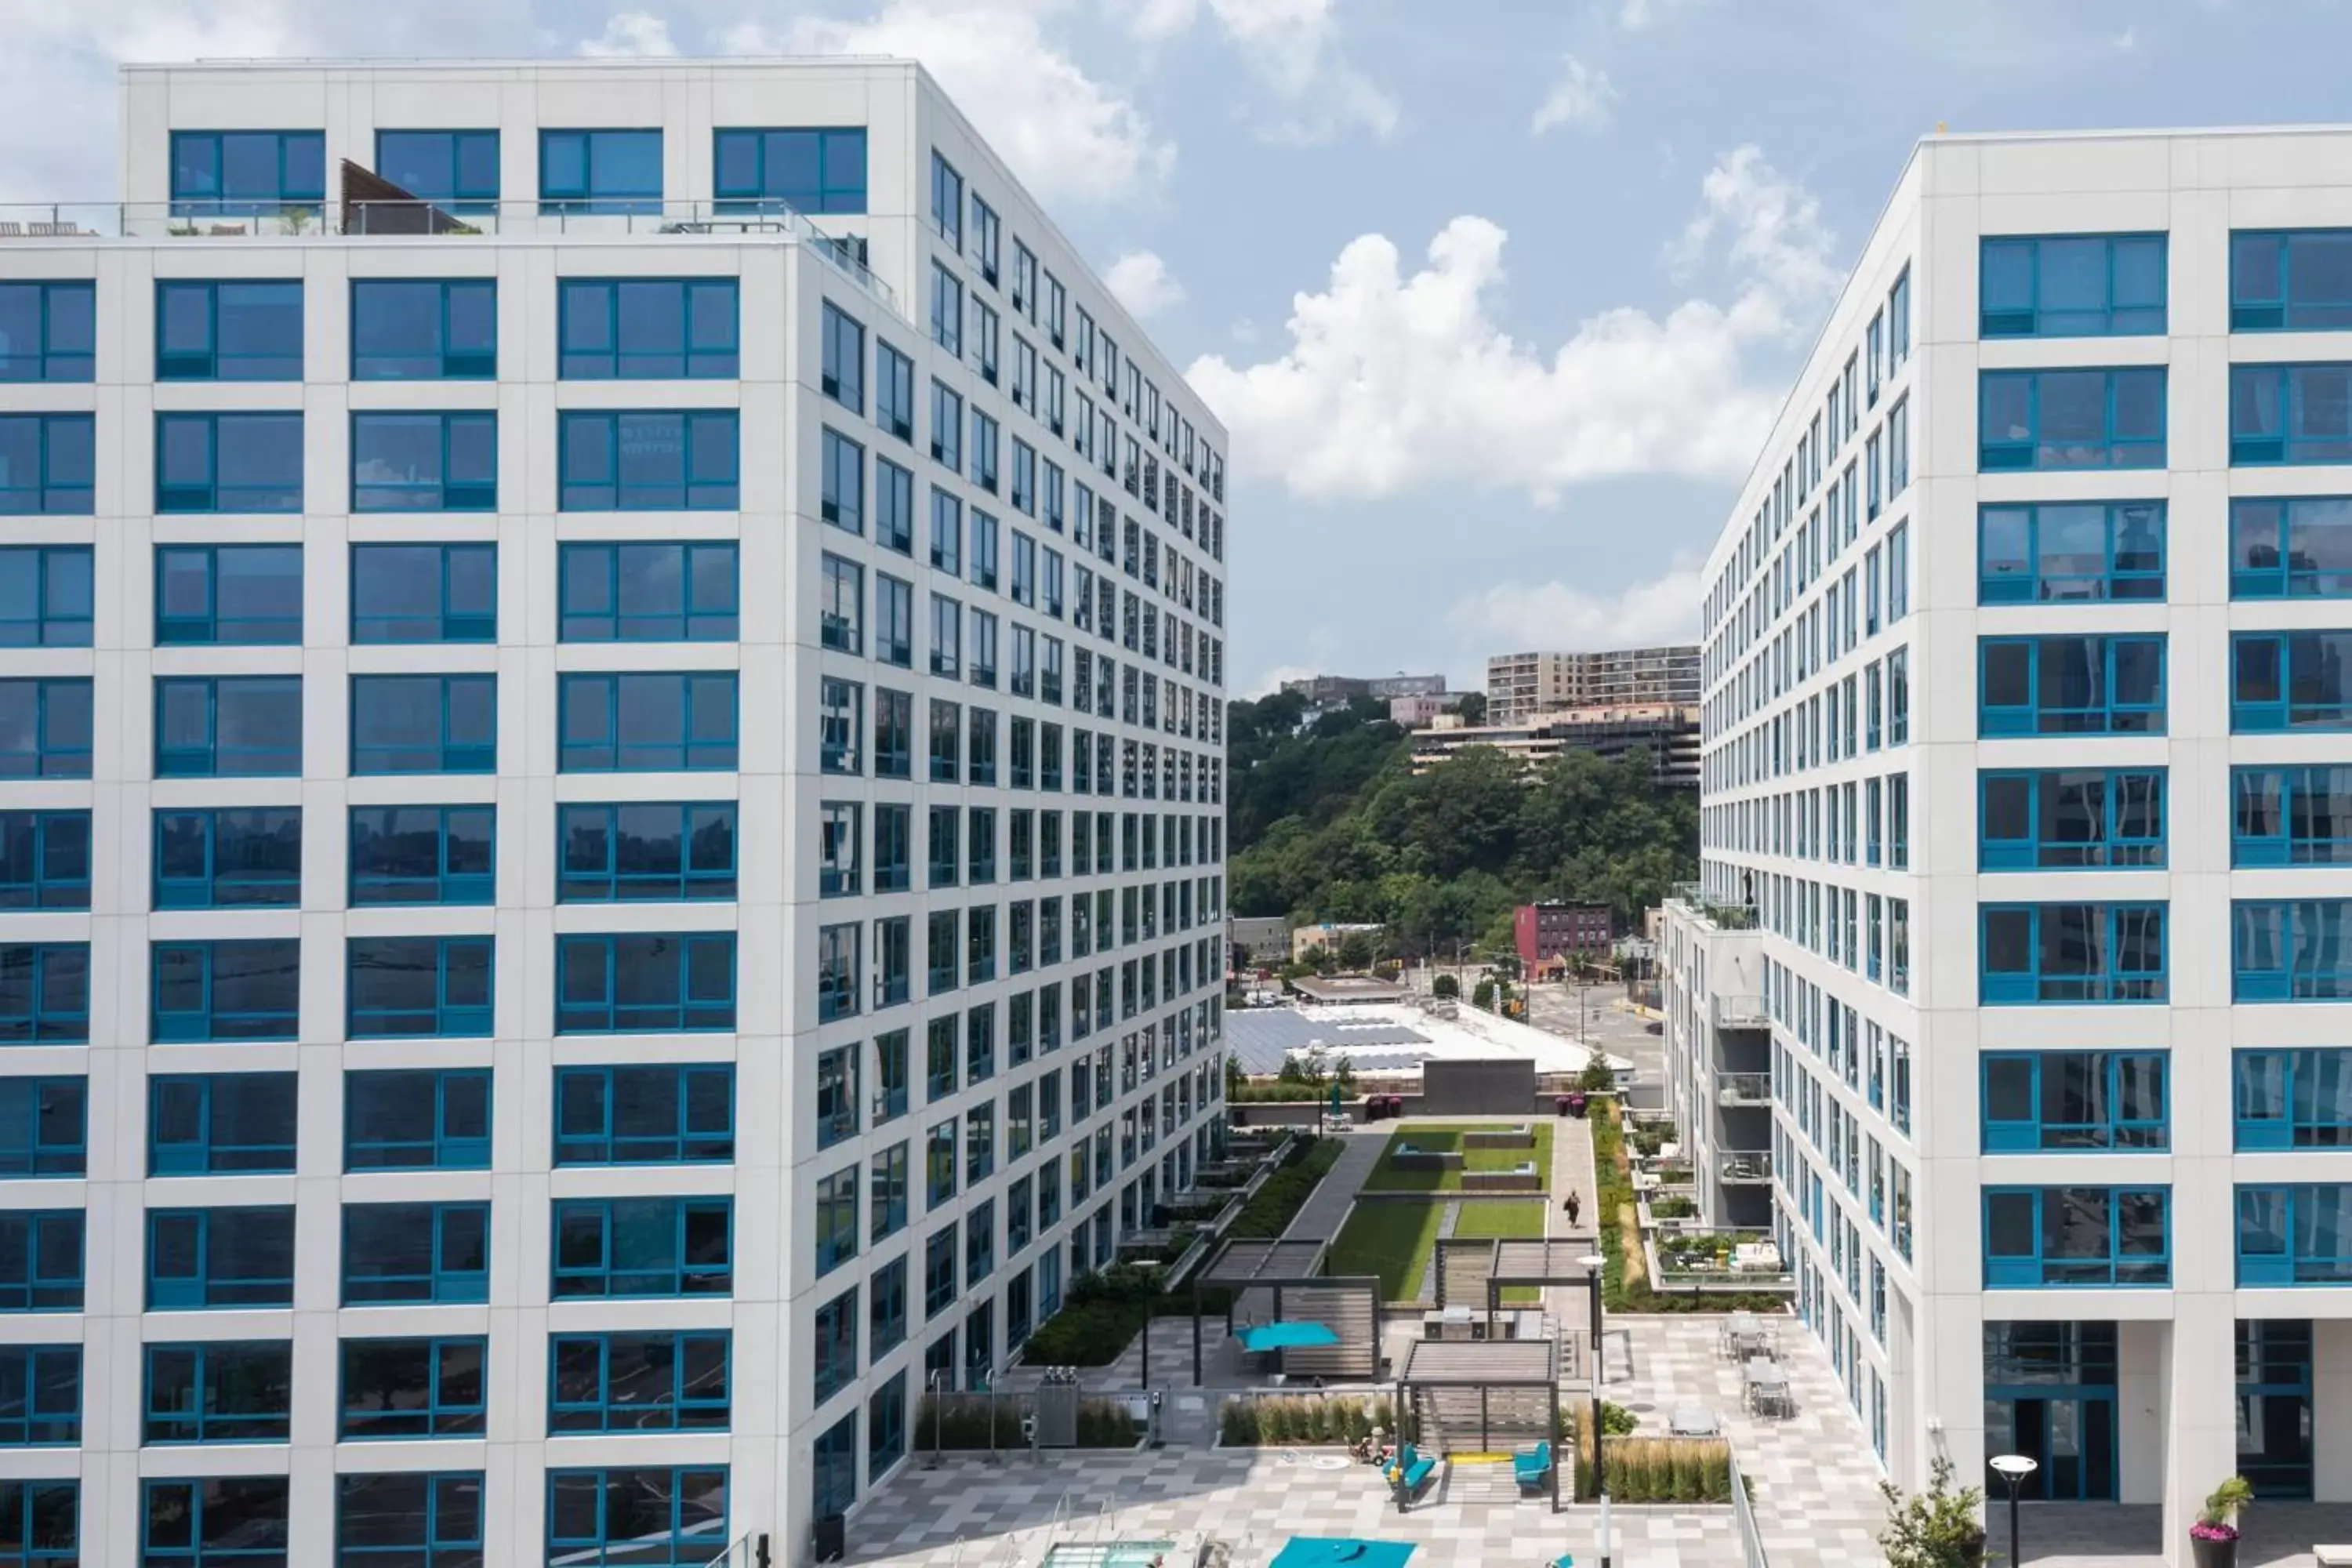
[[1591, 1263], [2013, 1469]]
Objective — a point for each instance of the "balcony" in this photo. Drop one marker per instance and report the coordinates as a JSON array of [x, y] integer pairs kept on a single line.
[[1745, 1170], [1743, 1089], [1740, 1011], [410, 220]]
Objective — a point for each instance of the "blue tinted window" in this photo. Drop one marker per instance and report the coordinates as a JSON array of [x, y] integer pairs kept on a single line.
[[648, 593], [409, 1518], [2290, 817], [2072, 953], [247, 173], [229, 858], [2289, 680], [2046, 1100], [226, 990], [221, 1391], [45, 596], [425, 462], [41, 1259], [2071, 686], [643, 984], [648, 461], [841, 491], [808, 171], [48, 332], [454, 169], [648, 850], [600, 171], [2294, 1235], [894, 391], [645, 1115], [40, 1407], [2057, 818], [835, 1365], [2297, 548], [228, 593], [424, 723], [635, 1519], [228, 332], [44, 1132], [416, 987], [894, 507], [230, 1522], [2096, 550], [417, 1120], [647, 329], [652, 722], [637, 1383], [44, 729], [425, 592], [220, 1124], [232, 726], [219, 1258], [2041, 1238], [2073, 286], [2293, 1100], [2291, 281], [422, 854], [413, 1388], [228, 462], [643, 1247], [2071, 419], [2290, 413], [49, 464], [45, 994], [405, 331], [44, 859], [2298, 950], [415, 1252], [843, 377]]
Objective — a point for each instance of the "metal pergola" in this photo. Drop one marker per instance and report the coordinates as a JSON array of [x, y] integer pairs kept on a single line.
[[1278, 1266], [1439, 1366]]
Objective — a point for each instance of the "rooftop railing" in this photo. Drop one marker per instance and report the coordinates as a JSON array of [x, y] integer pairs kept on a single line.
[[748, 219]]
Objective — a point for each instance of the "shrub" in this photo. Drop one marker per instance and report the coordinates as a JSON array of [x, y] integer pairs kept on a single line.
[[1275, 1420], [1445, 985]]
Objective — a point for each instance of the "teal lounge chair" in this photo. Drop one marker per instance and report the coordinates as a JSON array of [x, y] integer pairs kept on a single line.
[[1532, 1466], [1415, 1468]]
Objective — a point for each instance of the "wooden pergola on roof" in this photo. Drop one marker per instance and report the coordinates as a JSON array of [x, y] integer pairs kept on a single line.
[[1296, 1264]]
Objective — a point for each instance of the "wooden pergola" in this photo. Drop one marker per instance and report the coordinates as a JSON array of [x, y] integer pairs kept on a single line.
[[1449, 1371], [1292, 1267]]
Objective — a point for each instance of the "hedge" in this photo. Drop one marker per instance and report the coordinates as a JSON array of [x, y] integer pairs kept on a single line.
[[1307, 1419]]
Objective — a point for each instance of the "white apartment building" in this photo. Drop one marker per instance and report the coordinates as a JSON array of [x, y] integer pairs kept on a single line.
[[611, 828], [1520, 686], [2029, 754]]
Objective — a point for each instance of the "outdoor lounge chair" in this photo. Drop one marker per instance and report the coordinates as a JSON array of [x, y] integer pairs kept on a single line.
[[1532, 1465], [1414, 1467]]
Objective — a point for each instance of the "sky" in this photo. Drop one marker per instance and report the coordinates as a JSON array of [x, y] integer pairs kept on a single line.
[[1497, 298]]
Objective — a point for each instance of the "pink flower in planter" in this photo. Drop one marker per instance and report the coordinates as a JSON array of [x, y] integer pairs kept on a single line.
[[2201, 1530]]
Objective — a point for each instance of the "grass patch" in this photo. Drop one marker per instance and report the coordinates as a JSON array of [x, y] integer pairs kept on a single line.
[[1392, 1240], [1490, 1218], [1387, 1178]]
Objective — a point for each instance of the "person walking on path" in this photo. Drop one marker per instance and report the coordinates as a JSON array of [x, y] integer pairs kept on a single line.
[[1571, 1204]]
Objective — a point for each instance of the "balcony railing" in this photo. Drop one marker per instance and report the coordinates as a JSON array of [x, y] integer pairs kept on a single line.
[[1746, 1170], [1740, 1011], [1743, 1087], [455, 221]]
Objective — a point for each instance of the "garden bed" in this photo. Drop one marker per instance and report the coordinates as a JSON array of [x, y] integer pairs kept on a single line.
[[1625, 1282], [1438, 1157]]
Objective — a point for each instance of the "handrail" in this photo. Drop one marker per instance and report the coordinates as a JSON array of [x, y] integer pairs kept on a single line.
[[1743, 1516]]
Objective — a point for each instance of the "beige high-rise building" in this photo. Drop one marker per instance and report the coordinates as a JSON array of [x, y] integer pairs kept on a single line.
[[1522, 685]]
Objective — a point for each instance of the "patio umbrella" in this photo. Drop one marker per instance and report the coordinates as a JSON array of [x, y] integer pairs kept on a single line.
[[1285, 1337]]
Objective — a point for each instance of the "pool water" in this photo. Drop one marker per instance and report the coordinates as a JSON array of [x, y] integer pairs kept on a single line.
[[1112, 1554], [1341, 1551]]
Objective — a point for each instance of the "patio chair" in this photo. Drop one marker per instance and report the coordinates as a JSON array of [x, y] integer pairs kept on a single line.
[[1531, 1467], [1413, 1467]]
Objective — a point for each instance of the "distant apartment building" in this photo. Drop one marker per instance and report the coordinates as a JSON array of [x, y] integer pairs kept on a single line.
[[1330, 691], [1263, 939], [1545, 932], [1415, 712], [1520, 685], [1670, 734], [1330, 934]]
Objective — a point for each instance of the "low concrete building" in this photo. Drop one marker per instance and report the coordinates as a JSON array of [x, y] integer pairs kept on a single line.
[[1421, 707], [1330, 934], [1262, 939], [1670, 734]]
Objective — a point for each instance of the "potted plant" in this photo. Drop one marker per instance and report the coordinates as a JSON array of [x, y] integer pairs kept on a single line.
[[2214, 1537]]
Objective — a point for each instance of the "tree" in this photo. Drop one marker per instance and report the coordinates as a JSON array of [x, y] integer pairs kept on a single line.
[[1472, 707], [1445, 985], [1482, 994], [1935, 1529], [1355, 951], [1597, 1077]]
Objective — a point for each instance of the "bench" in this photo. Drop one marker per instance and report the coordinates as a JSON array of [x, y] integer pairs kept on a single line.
[[1413, 1467], [2332, 1556], [1532, 1466]]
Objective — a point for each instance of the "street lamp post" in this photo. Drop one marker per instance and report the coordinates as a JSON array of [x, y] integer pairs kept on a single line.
[[1592, 1265], [2013, 1469]]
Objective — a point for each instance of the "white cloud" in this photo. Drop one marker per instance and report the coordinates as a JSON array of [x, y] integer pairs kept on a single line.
[[630, 34], [1392, 381], [1141, 281], [1290, 46], [1154, 19], [1583, 96], [1561, 618], [1069, 137]]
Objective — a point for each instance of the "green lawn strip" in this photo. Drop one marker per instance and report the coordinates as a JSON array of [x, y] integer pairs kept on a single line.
[[1392, 1239], [1386, 1178], [1504, 1220]]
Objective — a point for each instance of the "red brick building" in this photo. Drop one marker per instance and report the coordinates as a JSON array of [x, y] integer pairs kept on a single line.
[[1545, 932]]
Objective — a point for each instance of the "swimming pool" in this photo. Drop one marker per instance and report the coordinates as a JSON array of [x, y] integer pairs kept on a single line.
[[1112, 1554], [1332, 1552]]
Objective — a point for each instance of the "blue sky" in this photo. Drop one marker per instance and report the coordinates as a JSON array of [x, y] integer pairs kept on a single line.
[[1496, 296]]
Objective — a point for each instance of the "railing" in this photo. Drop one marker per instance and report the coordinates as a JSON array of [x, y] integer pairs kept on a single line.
[[1743, 1516], [1746, 1167], [457, 220], [1743, 1087], [1741, 1010]]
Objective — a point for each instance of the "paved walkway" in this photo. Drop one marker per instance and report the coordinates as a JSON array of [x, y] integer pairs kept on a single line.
[[1326, 1208], [2114, 1535]]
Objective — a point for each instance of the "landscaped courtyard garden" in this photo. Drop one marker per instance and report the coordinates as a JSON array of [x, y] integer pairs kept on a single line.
[[1396, 1174], [1396, 1238]]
